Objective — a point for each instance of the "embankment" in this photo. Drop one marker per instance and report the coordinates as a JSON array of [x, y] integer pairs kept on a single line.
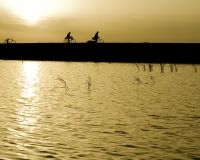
[[103, 52]]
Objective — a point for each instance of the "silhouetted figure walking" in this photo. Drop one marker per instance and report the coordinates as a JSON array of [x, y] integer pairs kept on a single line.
[[96, 37], [69, 37]]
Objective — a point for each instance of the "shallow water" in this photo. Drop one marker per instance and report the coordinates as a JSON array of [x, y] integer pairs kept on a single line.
[[127, 112]]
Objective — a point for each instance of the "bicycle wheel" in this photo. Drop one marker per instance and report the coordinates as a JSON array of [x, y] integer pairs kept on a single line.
[[65, 41], [13, 41], [100, 41], [73, 41]]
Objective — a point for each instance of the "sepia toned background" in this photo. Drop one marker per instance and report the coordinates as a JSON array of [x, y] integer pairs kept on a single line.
[[116, 20]]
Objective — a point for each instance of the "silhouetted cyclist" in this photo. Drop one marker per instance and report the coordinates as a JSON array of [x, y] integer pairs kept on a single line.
[[68, 37], [7, 40], [96, 37]]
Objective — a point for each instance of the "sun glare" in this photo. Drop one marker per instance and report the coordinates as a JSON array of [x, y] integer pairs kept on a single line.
[[33, 11], [30, 11]]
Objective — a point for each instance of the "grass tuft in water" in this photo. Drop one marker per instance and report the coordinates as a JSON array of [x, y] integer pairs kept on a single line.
[[171, 67], [137, 79], [153, 79], [144, 67], [63, 82], [89, 82], [137, 66], [150, 67], [162, 67], [195, 67]]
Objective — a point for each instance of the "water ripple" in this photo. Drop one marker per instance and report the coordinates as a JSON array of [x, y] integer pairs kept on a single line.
[[117, 118]]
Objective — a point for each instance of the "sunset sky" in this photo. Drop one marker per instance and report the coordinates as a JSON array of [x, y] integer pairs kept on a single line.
[[116, 20]]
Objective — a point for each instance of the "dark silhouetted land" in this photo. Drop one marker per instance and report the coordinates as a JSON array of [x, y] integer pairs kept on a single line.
[[103, 52]]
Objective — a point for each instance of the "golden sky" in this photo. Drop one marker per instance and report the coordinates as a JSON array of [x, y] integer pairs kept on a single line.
[[116, 20]]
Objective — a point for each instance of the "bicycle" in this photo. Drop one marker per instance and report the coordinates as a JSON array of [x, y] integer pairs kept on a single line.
[[8, 41], [98, 40], [71, 40]]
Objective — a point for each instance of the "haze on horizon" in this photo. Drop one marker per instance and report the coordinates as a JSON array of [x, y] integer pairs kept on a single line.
[[116, 20]]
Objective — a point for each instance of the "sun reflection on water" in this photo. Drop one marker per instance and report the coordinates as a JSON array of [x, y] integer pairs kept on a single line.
[[27, 118], [31, 80], [29, 95], [27, 110]]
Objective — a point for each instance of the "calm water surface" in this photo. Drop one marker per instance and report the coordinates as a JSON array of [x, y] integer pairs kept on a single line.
[[50, 110]]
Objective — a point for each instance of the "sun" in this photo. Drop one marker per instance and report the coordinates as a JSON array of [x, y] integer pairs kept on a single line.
[[30, 11], [33, 11]]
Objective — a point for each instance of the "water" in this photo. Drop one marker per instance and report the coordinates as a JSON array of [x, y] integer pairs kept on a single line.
[[127, 112]]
